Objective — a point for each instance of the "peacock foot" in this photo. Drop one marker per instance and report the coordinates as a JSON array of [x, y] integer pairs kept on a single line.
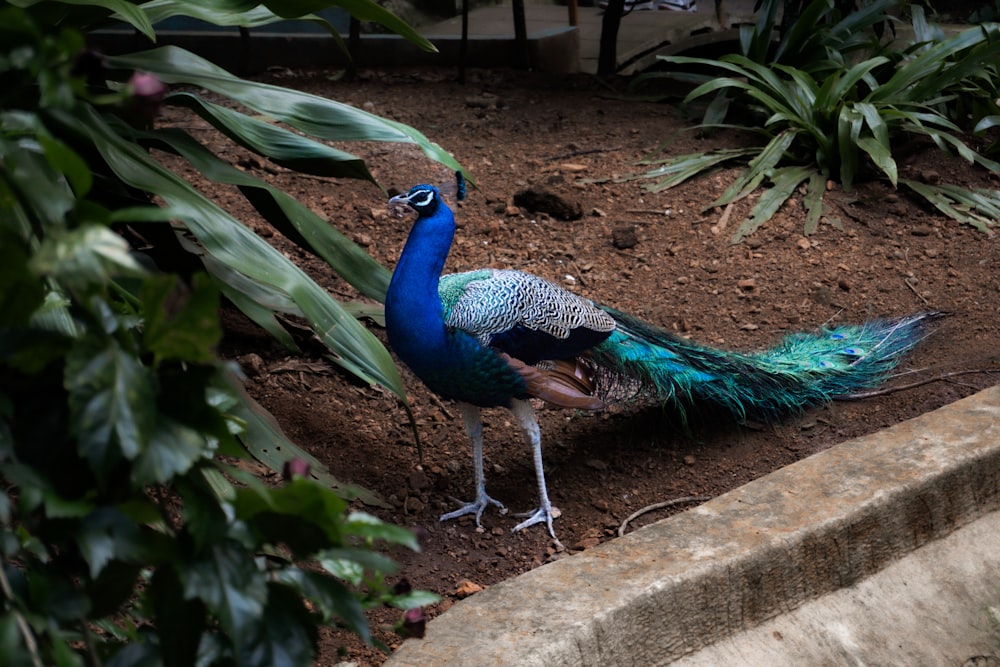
[[477, 507], [544, 514]]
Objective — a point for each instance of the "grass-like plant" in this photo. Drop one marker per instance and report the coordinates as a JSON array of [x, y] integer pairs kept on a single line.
[[124, 538], [826, 114]]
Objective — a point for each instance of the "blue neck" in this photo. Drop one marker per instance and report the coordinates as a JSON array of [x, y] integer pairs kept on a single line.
[[414, 316]]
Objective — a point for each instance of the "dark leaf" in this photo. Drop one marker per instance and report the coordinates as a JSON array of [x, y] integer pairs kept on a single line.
[[229, 583]]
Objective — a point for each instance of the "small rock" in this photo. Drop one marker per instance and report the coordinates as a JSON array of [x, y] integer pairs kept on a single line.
[[466, 588], [689, 460], [597, 464], [747, 284], [803, 243], [537, 200], [419, 480], [822, 296], [844, 285], [589, 540], [598, 213], [624, 237], [930, 176], [600, 504], [252, 364], [413, 505], [921, 230], [931, 252]]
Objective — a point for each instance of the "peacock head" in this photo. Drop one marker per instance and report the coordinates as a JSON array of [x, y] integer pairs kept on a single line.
[[423, 199]]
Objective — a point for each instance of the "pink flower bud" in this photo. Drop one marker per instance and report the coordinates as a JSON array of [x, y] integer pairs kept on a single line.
[[414, 622], [295, 468], [147, 93]]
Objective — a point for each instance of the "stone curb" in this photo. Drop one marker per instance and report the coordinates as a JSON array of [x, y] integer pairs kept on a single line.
[[672, 588]]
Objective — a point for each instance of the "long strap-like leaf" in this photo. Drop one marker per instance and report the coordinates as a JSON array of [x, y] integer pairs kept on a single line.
[[231, 243]]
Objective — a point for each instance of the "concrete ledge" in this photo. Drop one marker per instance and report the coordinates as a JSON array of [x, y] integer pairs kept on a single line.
[[668, 590]]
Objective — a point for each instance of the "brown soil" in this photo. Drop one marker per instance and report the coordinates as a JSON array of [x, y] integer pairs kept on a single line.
[[513, 131]]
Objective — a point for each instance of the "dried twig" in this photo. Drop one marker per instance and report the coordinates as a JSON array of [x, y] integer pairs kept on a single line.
[[585, 151], [657, 506], [912, 385], [914, 290]]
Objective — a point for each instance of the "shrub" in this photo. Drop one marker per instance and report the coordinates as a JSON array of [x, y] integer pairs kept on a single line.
[[835, 115], [125, 536]]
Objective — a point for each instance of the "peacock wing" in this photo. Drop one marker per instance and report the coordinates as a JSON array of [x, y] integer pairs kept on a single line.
[[522, 315]]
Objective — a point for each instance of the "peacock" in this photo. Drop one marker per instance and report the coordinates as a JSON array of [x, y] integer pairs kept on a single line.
[[501, 337]]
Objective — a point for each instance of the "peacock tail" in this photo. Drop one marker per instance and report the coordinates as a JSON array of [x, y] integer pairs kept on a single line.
[[803, 369]]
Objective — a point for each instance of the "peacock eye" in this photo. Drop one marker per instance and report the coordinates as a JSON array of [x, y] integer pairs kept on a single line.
[[422, 198]]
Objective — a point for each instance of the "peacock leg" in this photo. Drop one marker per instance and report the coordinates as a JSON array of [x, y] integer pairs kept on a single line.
[[474, 427], [545, 512]]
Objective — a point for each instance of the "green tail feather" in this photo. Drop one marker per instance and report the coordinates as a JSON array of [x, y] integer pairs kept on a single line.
[[802, 370]]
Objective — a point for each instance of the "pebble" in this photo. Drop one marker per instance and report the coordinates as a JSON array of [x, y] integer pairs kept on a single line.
[[597, 464], [252, 364], [413, 504], [624, 237], [419, 480], [466, 588]]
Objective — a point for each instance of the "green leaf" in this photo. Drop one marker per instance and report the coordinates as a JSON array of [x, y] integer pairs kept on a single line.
[[180, 620], [813, 201], [46, 192], [21, 293], [369, 527], [87, 255], [285, 148], [172, 449], [785, 181], [112, 397], [179, 323], [415, 599], [881, 156], [981, 209], [226, 579], [286, 635], [106, 534], [293, 219], [679, 169], [331, 596], [314, 115], [233, 244], [302, 514]]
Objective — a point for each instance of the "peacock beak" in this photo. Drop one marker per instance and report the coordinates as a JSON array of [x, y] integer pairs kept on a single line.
[[399, 205]]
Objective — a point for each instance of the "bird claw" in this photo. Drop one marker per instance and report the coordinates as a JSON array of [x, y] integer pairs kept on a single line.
[[541, 515], [477, 507]]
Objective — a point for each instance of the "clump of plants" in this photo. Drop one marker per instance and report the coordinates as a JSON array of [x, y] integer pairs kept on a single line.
[[127, 536], [835, 98]]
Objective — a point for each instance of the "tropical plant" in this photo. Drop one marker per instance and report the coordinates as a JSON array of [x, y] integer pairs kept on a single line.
[[833, 116], [125, 536]]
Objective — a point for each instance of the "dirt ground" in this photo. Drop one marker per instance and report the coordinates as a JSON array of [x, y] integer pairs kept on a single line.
[[514, 131]]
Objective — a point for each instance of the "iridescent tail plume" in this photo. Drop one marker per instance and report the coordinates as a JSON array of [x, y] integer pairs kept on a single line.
[[802, 370]]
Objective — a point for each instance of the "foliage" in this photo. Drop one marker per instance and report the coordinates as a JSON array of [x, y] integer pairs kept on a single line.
[[831, 102], [125, 539]]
